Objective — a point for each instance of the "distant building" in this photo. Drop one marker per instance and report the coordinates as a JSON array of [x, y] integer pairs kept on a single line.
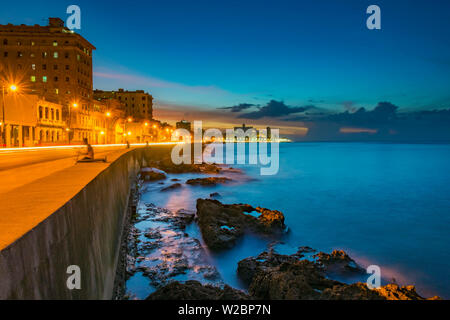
[[244, 128], [183, 124], [137, 104]]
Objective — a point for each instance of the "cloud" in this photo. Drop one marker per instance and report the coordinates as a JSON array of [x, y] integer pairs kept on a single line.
[[274, 109], [239, 107], [383, 113]]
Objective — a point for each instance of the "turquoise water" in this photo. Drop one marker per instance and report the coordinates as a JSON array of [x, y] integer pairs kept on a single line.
[[385, 204]]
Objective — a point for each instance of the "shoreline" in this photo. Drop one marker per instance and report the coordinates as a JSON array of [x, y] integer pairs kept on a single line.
[[410, 292]]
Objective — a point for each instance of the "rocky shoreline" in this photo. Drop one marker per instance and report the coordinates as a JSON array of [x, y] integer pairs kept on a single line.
[[178, 268]]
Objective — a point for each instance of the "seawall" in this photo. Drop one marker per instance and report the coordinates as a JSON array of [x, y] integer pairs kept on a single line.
[[85, 231]]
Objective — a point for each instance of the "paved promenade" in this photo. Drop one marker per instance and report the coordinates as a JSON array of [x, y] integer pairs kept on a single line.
[[30, 193]]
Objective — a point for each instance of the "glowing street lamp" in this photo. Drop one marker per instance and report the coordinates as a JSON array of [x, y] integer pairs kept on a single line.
[[12, 88], [108, 114], [130, 119]]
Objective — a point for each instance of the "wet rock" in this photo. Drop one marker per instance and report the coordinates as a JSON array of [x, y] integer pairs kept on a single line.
[[152, 174], [210, 181], [338, 263], [214, 195], [275, 276], [174, 180], [395, 292], [168, 166], [221, 225], [194, 290], [172, 187]]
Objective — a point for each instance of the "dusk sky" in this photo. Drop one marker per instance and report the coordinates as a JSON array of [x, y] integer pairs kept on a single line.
[[287, 63]]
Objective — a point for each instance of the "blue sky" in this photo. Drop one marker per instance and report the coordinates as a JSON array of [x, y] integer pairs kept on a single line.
[[203, 55]]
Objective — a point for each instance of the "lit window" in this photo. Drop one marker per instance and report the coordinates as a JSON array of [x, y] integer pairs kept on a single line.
[[55, 43], [32, 55], [44, 79], [33, 66], [32, 43], [57, 91], [33, 78], [19, 54], [78, 57], [55, 55], [44, 54]]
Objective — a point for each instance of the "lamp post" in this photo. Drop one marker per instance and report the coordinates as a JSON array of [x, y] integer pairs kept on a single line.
[[13, 88], [74, 105]]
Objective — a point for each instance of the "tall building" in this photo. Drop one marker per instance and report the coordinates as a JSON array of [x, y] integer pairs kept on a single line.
[[137, 104], [183, 124], [50, 61]]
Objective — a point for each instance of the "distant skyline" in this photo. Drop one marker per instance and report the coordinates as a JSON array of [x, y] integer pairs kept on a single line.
[[291, 64]]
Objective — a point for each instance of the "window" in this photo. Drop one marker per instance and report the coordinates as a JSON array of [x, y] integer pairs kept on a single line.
[[19, 54], [78, 57], [5, 54], [55, 67], [33, 67], [44, 67], [5, 42], [46, 113], [32, 55], [57, 115], [19, 43], [44, 79], [52, 112], [44, 54], [67, 67], [55, 55], [57, 91], [32, 43], [55, 43], [66, 55], [40, 112], [33, 78], [56, 79], [67, 79]]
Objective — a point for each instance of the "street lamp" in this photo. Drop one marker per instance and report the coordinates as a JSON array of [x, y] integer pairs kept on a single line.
[[74, 105], [12, 88]]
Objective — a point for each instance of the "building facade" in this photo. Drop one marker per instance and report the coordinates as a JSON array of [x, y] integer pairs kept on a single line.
[[136, 104], [30, 120], [49, 61]]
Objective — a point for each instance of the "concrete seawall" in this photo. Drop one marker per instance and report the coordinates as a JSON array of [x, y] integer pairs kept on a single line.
[[85, 231]]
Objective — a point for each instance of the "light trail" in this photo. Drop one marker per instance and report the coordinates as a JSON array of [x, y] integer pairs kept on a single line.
[[65, 147]]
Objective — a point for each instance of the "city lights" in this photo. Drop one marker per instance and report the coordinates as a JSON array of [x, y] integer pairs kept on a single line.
[[13, 87]]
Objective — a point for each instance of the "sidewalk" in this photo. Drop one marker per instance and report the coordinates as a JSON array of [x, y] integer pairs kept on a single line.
[[28, 195]]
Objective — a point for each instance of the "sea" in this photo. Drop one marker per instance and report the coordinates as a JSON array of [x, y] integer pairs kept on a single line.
[[384, 204]]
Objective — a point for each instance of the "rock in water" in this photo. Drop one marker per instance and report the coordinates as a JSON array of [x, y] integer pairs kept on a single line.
[[194, 290], [274, 276], [210, 181], [172, 187], [221, 225], [152, 174]]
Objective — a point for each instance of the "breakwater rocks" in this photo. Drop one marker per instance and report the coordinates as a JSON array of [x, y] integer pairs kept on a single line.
[[303, 276], [160, 250], [194, 290], [221, 224], [210, 181]]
